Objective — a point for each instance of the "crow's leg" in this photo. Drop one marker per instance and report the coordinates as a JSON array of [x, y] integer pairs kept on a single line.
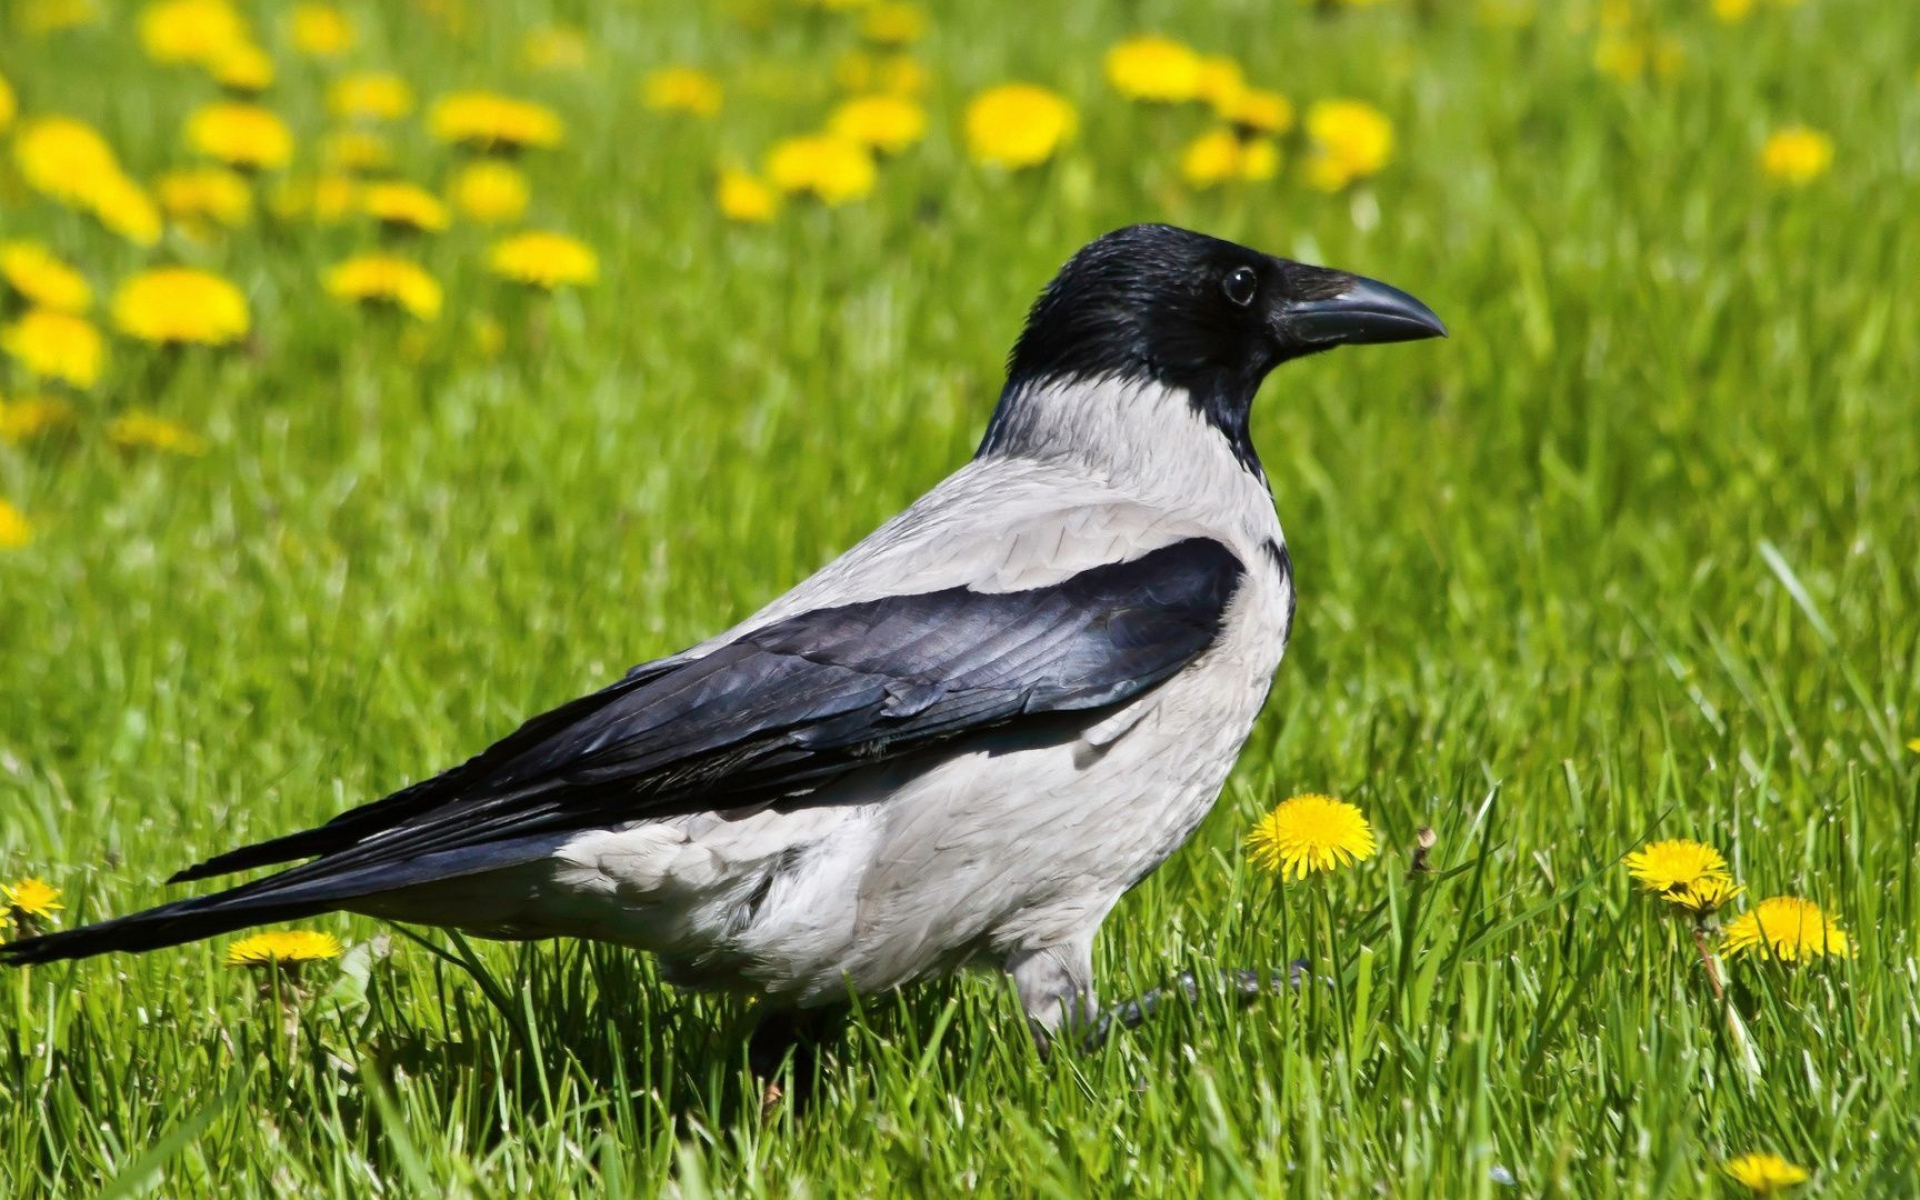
[[1056, 987], [796, 1034], [1245, 985]]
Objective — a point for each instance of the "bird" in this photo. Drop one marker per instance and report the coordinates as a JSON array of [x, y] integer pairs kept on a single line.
[[957, 745]]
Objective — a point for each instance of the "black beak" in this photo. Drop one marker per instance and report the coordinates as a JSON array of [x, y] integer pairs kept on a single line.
[[1366, 311]]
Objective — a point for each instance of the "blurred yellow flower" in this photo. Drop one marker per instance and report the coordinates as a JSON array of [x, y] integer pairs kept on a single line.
[[1704, 896], [35, 898], [404, 206], [370, 95], [69, 161], [190, 31], [490, 192], [1155, 68], [292, 948], [38, 18], [15, 530], [356, 151], [1220, 155], [1732, 10], [321, 30], [832, 168], [554, 48], [1220, 82], [543, 260], [1351, 140], [140, 430], [199, 197], [1789, 929], [1796, 155], [1310, 833], [384, 279], [1258, 110], [27, 416], [38, 275], [888, 124], [890, 23], [8, 104], [894, 74], [243, 68], [1627, 55], [1765, 1174], [55, 345], [328, 199], [124, 207], [246, 136], [488, 120], [1676, 863], [1017, 125], [745, 197], [682, 89], [1914, 745], [180, 304]]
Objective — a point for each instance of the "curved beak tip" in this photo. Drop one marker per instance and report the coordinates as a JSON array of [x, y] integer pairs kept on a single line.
[[1366, 312]]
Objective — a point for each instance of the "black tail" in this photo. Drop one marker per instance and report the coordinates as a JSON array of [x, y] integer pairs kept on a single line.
[[167, 925]]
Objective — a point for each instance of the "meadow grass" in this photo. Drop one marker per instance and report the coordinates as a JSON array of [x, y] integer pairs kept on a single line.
[[1636, 553]]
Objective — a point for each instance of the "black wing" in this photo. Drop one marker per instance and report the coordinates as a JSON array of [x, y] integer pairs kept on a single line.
[[770, 716]]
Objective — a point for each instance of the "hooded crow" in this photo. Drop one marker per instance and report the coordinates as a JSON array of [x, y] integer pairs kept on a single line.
[[958, 744]]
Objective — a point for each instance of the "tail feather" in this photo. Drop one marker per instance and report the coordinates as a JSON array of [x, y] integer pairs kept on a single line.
[[155, 928]]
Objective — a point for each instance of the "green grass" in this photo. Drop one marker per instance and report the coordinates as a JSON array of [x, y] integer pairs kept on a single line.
[[1633, 553]]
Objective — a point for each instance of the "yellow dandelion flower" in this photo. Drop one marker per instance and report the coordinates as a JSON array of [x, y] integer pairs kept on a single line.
[[404, 206], [682, 90], [488, 120], [885, 123], [1796, 155], [1765, 1174], [39, 276], [56, 345], [35, 898], [894, 74], [490, 192], [124, 207], [1219, 156], [1154, 68], [1017, 125], [64, 158], [1731, 11], [370, 96], [1789, 929], [38, 18], [1259, 110], [242, 67], [180, 304], [1351, 140], [890, 23], [832, 168], [190, 31], [356, 151], [554, 48], [1221, 82], [30, 416], [247, 136], [9, 105], [1914, 745], [291, 948], [1677, 863], [16, 532], [544, 260], [374, 279], [321, 30], [141, 430], [1705, 896], [747, 198], [1310, 833], [328, 199], [200, 197]]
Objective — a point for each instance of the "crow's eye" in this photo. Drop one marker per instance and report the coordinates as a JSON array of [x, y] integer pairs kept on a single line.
[[1240, 285]]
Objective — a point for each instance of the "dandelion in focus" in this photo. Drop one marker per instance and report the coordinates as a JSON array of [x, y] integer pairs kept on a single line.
[[179, 305], [204, 198], [1017, 125], [190, 31], [544, 260], [321, 30], [833, 169], [380, 279], [282, 958], [404, 207], [140, 430], [888, 124], [1351, 140], [1765, 1174], [38, 276], [1221, 156], [55, 345], [1789, 929], [1310, 833], [890, 23], [1154, 68], [370, 96], [746, 198], [490, 121], [1677, 863], [1703, 898], [682, 90], [16, 532], [28, 902], [245, 136], [1796, 155], [490, 192]]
